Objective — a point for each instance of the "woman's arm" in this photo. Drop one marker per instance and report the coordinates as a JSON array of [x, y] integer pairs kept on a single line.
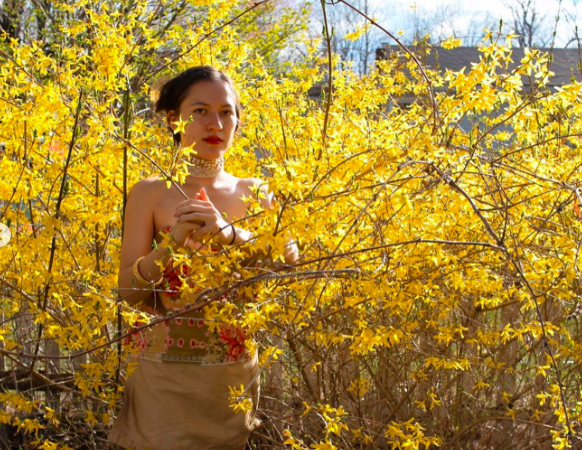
[[267, 199], [291, 252], [137, 242]]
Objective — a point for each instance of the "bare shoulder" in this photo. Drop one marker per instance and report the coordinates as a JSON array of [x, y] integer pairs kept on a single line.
[[149, 186], [143, 195], [154, 180], [143, 187], [257, 188]]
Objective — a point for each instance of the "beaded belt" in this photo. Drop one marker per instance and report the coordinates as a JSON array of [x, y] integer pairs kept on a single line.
[[191, 339]]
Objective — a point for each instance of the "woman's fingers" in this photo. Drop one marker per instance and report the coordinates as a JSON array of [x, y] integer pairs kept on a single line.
[[197, 217], [201, 211], [196, 202], [200, 203], [205, 230], [203, 195], [183, 231], [193, 207]]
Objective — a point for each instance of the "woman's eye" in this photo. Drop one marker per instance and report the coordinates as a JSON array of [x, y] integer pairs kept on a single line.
[[227, 113], [200, 111]]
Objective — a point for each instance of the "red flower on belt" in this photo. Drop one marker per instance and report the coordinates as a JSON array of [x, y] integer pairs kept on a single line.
[[235, 338], [174, 283], [137, 336]]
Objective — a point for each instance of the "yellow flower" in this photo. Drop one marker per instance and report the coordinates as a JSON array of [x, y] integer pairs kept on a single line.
[[180, 126]]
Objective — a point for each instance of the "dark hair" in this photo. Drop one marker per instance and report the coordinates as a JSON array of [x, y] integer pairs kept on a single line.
[[174, 91]]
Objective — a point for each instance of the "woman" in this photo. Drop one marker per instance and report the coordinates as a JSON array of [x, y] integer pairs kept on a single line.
[[177, 399]]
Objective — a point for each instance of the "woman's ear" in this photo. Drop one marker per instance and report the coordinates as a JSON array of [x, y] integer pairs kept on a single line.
[[172, 118]]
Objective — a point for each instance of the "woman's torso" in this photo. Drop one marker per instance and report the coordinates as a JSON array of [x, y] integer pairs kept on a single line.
[[226, 197], [191, 337]]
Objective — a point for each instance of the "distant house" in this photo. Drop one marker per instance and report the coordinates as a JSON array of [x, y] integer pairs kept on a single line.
[[566, 63]]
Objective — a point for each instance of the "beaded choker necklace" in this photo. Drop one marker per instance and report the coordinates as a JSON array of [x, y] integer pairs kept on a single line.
[[205, 168]]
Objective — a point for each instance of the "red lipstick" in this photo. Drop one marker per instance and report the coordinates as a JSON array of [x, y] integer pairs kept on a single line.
[[213, 140]]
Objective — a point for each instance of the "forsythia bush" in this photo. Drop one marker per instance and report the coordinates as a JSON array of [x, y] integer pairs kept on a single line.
[[437, 299]]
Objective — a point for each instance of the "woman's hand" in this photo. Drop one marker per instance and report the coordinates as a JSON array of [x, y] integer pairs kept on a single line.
[[198, 217], [291, 252], [182, 231]]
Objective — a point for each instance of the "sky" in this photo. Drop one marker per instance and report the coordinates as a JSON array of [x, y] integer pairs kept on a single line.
[[466, 14]]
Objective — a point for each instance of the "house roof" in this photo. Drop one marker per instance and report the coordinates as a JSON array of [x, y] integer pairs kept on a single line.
[[565, 63]]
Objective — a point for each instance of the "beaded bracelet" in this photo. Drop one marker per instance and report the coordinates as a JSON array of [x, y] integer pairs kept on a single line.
[[141, 279]]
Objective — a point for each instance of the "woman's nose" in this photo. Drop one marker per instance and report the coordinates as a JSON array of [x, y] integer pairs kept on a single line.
[[214, 122]]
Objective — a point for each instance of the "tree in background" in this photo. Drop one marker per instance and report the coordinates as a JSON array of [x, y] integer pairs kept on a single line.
[[445, 20], [351, 36], [532, 25], [571, 16]]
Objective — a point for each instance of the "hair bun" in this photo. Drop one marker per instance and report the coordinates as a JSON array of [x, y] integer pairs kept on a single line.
[[156, 88]]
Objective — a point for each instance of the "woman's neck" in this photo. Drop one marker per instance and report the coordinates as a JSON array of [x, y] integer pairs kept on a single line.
[[213, 183]]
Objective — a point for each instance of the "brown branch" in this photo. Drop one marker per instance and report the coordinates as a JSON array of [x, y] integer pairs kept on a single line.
[[398, 244], [328, 100], [47, 380], [514, 259], [205, 297], [53, 249]]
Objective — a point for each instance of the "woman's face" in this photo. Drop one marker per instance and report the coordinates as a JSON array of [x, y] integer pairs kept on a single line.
[[210, 105]]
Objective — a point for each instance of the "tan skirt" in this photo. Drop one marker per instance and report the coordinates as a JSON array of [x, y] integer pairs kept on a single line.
[[183, 406]]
